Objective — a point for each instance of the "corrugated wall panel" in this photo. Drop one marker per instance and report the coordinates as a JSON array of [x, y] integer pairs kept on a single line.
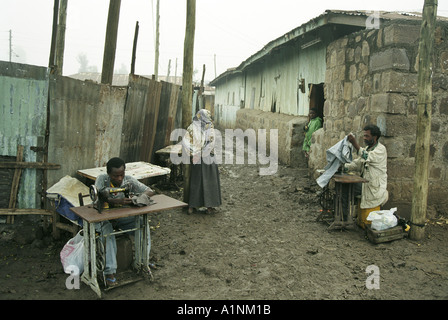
[[109, 123], [164, 120], [72, 135], [23, 110], [277, 80], [140, 118], [85, 125]]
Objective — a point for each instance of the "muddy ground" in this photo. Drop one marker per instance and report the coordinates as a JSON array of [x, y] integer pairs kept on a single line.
[[263, 243]]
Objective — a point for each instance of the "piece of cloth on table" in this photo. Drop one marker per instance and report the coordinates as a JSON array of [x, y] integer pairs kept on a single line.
[[64, 193], [338, 154], [142, 200]]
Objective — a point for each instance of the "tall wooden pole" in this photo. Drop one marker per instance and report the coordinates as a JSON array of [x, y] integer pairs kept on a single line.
[[425, 53], [10, 45], [51, 61], [134, 48], [156, 62], [110, 45], [175, 73], [60, 38], [187, 82], [169, 71]]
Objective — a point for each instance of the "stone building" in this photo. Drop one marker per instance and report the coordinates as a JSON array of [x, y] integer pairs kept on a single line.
[[371, 77], [354, 73]]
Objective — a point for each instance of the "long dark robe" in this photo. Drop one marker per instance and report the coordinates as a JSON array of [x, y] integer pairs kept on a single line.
[[205, 186]]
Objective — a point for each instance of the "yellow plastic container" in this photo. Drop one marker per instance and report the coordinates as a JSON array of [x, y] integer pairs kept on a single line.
[[363, 214]]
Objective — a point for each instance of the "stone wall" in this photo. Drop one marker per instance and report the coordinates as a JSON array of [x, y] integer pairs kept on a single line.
[[290, 132], [371, 77]]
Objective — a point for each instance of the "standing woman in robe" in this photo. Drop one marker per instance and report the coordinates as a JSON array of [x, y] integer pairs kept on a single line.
[[198, 142]]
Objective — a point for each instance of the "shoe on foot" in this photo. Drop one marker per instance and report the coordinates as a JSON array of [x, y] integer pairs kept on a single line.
[[111, 280]]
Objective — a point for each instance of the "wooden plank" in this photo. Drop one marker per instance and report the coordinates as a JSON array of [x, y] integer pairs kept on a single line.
[[13, 211], [15, 183], [29, 165]]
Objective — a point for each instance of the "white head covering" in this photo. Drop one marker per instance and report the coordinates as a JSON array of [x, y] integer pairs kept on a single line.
[[200, 134]]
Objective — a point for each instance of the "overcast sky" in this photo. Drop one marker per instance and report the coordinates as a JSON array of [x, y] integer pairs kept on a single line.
[[232, 30]]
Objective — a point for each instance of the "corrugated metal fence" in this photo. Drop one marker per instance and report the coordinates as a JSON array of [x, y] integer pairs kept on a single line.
[[88, 122]]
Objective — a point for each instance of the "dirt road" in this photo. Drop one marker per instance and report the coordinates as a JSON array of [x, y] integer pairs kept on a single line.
[[263, 243]]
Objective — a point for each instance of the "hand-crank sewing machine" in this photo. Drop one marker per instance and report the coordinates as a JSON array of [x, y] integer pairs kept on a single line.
[[99, 197]]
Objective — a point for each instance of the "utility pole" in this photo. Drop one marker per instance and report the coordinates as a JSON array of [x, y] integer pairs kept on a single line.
[[110, 45], [423, 140], [187, 81], [156, 62], [60, 38]]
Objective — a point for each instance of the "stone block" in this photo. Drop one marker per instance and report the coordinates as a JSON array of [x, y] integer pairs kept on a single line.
[[393, 58], [401, 34], [443, 107], [348, 91], [365, 50], [379, 39], [363, 70], [400, 125], [393, 81], [396, 148], [443, 61], [435, 172], [388, 102], [352, 72], [339, 73], [356, 90]]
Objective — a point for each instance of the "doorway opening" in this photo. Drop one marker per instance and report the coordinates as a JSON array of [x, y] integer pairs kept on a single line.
[[317, 98]]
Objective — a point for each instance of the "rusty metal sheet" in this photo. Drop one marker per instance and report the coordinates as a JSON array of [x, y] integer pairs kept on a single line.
[[140, 117], [23, 119], [85, 125]]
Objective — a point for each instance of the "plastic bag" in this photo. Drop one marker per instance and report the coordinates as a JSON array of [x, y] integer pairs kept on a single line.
[[383, 219], [72, 254]]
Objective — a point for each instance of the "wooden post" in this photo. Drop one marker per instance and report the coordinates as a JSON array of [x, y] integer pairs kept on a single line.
[[110, 45], [201, 90], [175, 73], [60, 39], [15, 184], [134, 48], [156, 62], [187, 81], [51, 61], [422, 145], [169, 71]]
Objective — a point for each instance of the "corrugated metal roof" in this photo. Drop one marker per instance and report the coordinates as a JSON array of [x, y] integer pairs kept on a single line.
[[329, 17]]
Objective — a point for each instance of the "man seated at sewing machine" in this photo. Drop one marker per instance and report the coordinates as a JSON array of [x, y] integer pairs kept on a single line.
[[371, 164], [115, 189]]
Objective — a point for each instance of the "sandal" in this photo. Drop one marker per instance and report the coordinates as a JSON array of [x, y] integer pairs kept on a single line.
[[211, 210], [152, 265], [111, 280]]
